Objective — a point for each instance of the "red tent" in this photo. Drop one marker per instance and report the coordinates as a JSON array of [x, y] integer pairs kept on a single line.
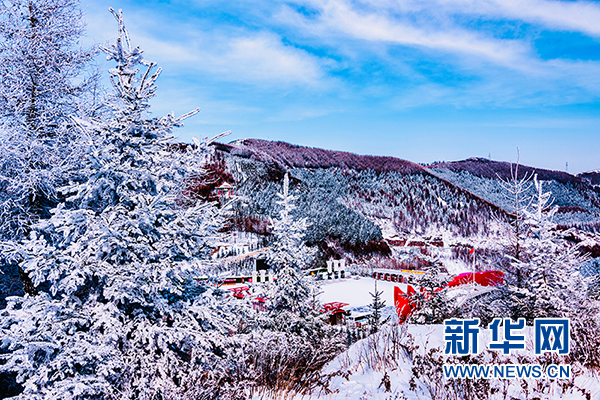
[[485, 278], [402, 302], [334, 307], [238, 292]]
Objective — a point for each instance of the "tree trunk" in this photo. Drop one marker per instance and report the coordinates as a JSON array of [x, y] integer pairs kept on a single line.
[[28, 286]]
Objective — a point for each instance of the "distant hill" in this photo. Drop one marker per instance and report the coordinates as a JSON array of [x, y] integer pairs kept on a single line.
[[592, 177], [485, 168], [357, 204], [577, 197], [285, 156]]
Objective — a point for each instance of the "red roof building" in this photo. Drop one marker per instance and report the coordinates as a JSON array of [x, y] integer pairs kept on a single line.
[[225, 189]]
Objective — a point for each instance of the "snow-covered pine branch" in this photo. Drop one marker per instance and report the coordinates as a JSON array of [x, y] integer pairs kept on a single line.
[[120, 313], [42, 72]]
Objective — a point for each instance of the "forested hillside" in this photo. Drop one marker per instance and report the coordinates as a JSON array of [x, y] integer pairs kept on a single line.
[[576, 196]]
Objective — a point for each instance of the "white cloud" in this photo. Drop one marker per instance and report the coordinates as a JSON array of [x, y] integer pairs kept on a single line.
[[576, 16], [260, 59], [339, 17], [265, 59], [228, 53]]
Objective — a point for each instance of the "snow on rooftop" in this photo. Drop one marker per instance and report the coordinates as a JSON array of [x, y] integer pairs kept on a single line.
[[225, 186]]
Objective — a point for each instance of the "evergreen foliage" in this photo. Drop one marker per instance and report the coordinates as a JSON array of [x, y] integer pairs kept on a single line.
[[288, 249], [292, 303], [42, 88], [377, 305], [114, 262]]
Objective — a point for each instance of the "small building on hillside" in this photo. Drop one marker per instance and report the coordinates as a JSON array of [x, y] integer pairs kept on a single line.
[[334, 312], [225, 189], [336, 269]]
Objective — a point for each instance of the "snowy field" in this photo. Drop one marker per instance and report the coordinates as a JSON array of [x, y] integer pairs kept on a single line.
[[355, 291]]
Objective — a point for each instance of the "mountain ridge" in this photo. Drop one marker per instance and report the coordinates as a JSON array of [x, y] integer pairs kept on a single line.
[[286, 155]]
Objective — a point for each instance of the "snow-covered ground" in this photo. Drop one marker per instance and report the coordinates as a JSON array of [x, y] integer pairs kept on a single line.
[[364, 381], [355, 291], [359, 371]]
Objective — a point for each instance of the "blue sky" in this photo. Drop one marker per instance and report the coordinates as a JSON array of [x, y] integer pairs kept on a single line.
[[422, 80]]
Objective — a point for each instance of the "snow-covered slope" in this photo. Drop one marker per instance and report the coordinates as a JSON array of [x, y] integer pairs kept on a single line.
[[576, 196], [412, 357]]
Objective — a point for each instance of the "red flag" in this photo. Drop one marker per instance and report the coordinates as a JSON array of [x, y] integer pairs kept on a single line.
[[472, 250]]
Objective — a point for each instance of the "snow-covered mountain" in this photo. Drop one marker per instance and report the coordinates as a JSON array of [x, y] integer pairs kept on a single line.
[[575, 195], [592, 177], [361, 205]]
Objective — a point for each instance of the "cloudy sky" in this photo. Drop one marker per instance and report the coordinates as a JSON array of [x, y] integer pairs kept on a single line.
[[423, 80]]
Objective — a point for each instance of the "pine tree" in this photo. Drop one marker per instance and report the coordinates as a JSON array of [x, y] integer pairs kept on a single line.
[[287, 256], [119, 314], [291, 301], [549, 287], [288, 248], [42, 87], [377, 305]]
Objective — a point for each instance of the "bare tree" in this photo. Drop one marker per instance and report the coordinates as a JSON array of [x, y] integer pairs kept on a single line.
[[516, 189]]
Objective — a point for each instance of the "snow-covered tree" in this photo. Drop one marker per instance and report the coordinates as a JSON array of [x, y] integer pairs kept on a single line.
[[292, 292], [43, 86], [515, 191], [291, 303], [41, 64], [120, 314], [288, 249], [377, 305], [550, 284]]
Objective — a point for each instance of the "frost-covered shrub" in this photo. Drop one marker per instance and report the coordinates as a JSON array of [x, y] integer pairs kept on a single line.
[[282, 363]]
